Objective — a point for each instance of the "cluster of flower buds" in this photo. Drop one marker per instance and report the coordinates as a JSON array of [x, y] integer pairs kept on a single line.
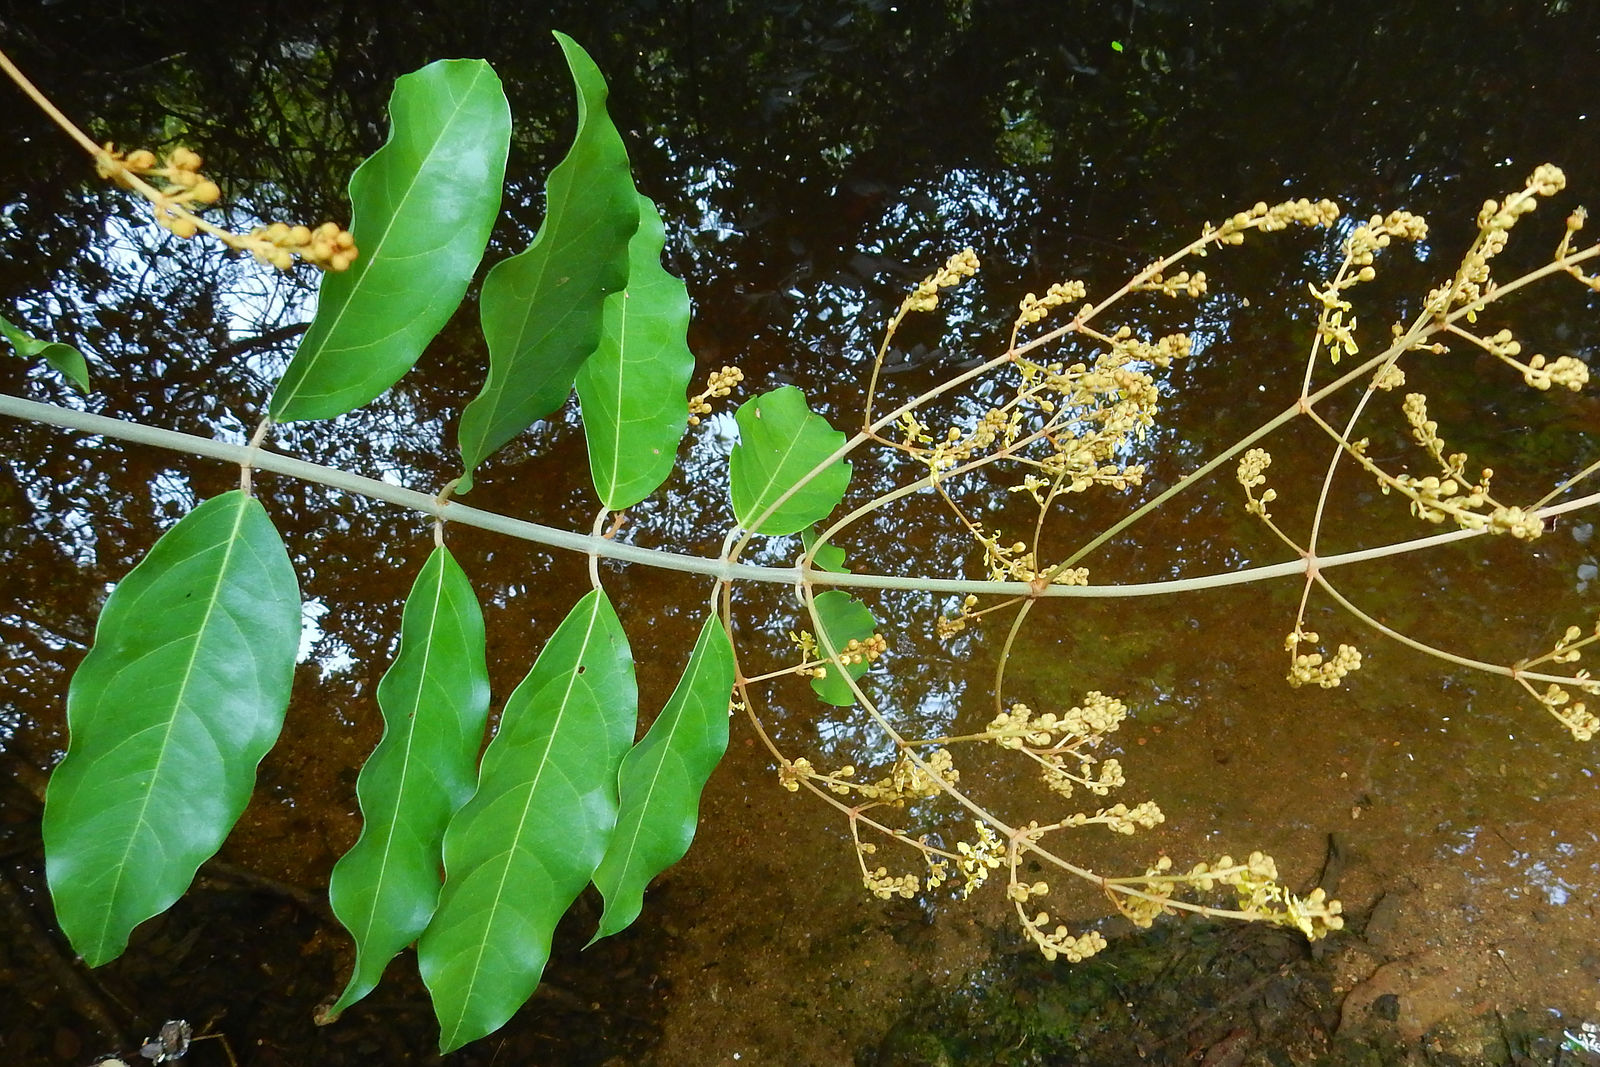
[[1301, 212], [925, 297], [328, 246], [179, 187], [719, 384], [1180, 284], [1034, 309], [178, 191], [1313, 668]]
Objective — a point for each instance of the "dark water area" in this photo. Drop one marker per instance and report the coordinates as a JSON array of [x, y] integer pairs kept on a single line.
[[813, 160]]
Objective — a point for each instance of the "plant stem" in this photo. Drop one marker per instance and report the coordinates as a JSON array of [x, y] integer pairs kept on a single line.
[[1427, 649], [721, 569]]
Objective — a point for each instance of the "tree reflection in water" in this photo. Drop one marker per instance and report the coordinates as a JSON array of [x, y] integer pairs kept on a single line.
[[810, 159]]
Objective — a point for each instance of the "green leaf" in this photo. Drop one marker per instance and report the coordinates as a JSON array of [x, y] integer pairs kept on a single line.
[[526, 844], [435, 703], [542, 310], [829, 557], [634, 388], [170, 712], [843, 619], [63, 359], [780, 441], [662, 778], [423, 206]]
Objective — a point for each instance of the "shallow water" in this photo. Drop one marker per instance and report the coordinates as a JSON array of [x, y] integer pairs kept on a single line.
[[813, 160]]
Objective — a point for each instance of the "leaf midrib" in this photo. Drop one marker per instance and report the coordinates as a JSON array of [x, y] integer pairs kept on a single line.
[[514, 840], [141, 823], [406, 761]]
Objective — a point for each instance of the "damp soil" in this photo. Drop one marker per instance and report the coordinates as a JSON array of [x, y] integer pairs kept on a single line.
[[814, 158]]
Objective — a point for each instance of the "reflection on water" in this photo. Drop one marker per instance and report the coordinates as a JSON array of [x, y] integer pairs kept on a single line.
[[813, 160]]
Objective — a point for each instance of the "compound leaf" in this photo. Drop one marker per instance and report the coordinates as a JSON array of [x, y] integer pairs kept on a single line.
[[435, 703], [633, 387], [542, 309], [842, 619], [61, 358], [170, 712], [662, 777], [526, 844], [780, 442], [422, 209]]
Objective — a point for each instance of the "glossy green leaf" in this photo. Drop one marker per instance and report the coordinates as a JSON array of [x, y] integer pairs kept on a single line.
[[780, 442], [170, 712], [543, 309], [634, 388], [435, 703], [63, 359], [662, 777], [843, 619], [829, 557], [526, 844], [422, 208]]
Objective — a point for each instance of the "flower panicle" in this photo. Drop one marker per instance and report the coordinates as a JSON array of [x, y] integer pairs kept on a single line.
[[719, 383], [1472, 287], [958, 268], [178, 191]]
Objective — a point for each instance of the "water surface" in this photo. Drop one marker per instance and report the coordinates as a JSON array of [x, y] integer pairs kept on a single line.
[[813, 160]]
